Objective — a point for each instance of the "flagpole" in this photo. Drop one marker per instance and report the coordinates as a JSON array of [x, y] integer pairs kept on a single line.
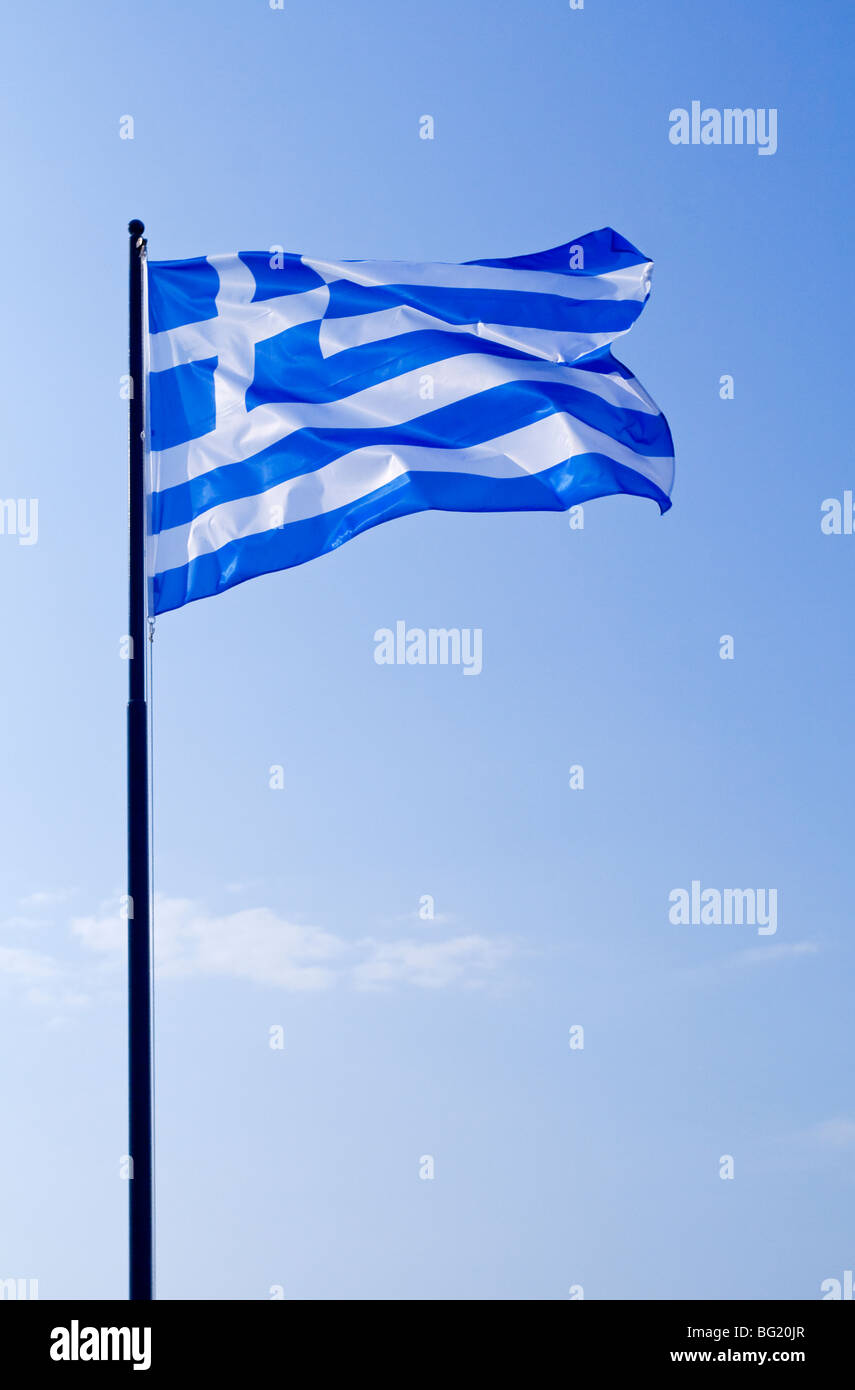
[[141, 1186]]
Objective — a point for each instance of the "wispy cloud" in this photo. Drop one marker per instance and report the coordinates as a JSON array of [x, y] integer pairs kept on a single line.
[[416, 918], [44, 899], [765, 955], [42, 981], [761, 956], [824, 1146], [27, 965], [836, 1134], [252, 944], [467, 960], [256, 945], [31, 910]]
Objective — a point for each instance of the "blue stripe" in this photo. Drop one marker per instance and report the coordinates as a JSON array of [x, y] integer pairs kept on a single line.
[[556, 489], [181, 292], [289, 366], [522, 308], [273, 281], [602, 251], [182, 403], [459, 425]]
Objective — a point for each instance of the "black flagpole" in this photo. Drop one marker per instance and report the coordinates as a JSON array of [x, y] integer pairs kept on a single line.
[[141, 1184]]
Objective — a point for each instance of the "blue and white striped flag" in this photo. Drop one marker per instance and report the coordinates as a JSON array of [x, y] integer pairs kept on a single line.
[[295, 402]]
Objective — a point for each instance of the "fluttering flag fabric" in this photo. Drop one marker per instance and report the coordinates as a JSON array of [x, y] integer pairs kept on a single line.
[[295, 402]]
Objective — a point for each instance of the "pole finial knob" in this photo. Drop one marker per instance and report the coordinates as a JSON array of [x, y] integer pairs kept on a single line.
[[136, 228]]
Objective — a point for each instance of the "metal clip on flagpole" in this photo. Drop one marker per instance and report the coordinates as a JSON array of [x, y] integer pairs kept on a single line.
[[140, 1104]]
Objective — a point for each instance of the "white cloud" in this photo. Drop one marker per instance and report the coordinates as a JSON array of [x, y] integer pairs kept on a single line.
[[439, 919], [253, 944], [106, 933], [26, 965], [838, 1133], [43, 982], [762, 955], [826, 1146], [46, 899], [257, 945], [430, 964], [34, 904], [765, 954]]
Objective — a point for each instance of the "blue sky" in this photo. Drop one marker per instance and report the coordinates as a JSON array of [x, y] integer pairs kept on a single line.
[[298, 1168]]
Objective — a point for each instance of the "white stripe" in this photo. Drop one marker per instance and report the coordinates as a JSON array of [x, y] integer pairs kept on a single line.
[[339, 334], [345, 480], [390, 402], [631, 283], [236, 353]]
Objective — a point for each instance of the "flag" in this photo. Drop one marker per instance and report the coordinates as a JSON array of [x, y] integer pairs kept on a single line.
[[295, 402]]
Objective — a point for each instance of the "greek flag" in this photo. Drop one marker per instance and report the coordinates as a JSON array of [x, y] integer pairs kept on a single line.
[[294, 402]]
